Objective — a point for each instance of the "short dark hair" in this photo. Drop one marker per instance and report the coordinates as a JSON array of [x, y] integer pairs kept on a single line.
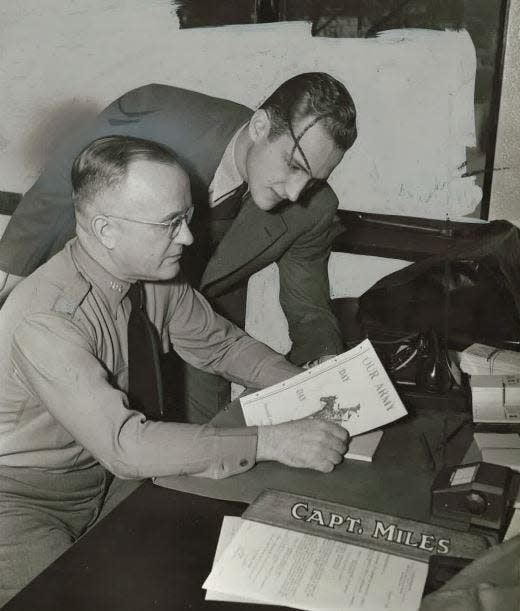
[[104, 163], [318, 95]]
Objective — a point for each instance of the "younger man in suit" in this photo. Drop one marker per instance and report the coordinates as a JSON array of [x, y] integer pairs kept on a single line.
[[259, 188]]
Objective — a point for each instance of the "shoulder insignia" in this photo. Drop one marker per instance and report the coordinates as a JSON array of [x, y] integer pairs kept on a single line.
[[72, 295]]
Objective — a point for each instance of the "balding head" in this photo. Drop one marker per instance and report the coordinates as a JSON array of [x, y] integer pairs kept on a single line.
[[102, 166], [133, 205]]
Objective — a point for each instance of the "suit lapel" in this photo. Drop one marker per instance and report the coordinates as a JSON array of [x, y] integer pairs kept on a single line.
[[252, 232]]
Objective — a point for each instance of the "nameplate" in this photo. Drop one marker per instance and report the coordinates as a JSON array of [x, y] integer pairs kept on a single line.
[[378, 531]]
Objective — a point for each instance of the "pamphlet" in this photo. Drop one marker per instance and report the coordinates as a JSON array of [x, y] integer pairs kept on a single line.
[[351, 389]]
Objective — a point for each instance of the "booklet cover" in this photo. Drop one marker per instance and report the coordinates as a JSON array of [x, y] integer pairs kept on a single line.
[[351, 389]]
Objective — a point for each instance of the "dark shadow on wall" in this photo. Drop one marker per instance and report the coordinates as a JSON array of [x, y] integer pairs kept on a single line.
[[52, 128], [329, 17]]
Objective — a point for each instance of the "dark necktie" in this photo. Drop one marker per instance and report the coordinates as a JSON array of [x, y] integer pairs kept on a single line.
[[222, 215], [229, 207], [145, 389]]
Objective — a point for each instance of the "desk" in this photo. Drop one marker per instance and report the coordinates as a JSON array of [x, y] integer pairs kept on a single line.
[[155, 549]]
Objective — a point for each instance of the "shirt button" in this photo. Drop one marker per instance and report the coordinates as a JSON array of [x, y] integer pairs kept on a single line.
[[244, 462]]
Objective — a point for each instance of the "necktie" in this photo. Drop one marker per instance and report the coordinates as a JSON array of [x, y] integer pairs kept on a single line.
[[145, 389], [230, 207], [222, 215]]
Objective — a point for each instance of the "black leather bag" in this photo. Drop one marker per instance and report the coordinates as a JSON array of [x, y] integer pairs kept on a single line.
[[470, 293]]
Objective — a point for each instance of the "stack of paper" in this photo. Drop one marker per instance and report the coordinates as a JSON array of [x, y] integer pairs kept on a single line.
[[495, 398], [480, 359], [499, 448], [260, 563]]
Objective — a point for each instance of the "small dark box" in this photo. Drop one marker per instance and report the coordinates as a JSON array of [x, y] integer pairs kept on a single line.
[[478, 494]]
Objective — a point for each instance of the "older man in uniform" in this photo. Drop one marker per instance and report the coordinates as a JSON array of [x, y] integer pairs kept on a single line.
[[66, 422]]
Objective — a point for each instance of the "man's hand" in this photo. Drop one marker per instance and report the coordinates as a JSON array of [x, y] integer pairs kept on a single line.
[[318, 361], [307, 443]]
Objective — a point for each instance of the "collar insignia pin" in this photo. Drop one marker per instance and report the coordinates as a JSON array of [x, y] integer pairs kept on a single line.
[[116, 286]]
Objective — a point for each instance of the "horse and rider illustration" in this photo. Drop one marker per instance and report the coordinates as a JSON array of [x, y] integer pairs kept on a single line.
[[332, 411]]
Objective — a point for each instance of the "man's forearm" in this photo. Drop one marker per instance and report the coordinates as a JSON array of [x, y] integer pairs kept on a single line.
[[255, 365]]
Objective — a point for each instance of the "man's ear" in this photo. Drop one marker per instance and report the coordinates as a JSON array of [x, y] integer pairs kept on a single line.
[[104, 231], [259, 125]]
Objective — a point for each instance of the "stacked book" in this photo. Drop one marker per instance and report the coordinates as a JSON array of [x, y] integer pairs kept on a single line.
[[495, 398], [480, 359], [494, 382]]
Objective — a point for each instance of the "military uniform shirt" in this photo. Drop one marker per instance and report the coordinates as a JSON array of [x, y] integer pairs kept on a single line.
[[63, 375]]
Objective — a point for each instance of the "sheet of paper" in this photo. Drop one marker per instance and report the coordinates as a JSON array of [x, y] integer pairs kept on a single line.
[[352, 389], [229, 528], [279, 566]]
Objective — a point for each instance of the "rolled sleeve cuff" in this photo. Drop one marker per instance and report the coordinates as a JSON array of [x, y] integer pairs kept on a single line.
[[235, 450]]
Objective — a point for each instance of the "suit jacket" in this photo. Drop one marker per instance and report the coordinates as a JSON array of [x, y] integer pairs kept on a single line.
[[198, 128]]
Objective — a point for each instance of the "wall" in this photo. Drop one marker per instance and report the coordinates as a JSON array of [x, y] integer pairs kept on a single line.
[[50, 52], [505, 196], [66, 59], [415, 103]]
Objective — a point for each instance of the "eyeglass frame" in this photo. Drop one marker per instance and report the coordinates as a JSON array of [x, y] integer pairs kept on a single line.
[[174, 226]]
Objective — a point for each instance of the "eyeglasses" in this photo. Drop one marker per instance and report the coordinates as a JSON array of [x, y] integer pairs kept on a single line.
[[174, 226]]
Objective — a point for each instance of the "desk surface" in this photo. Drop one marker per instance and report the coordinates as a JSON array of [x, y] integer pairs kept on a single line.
[[153, 551], [156, 548]]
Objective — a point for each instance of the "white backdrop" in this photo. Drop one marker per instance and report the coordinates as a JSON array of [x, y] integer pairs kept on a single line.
[[413, 89], [62, 60]]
